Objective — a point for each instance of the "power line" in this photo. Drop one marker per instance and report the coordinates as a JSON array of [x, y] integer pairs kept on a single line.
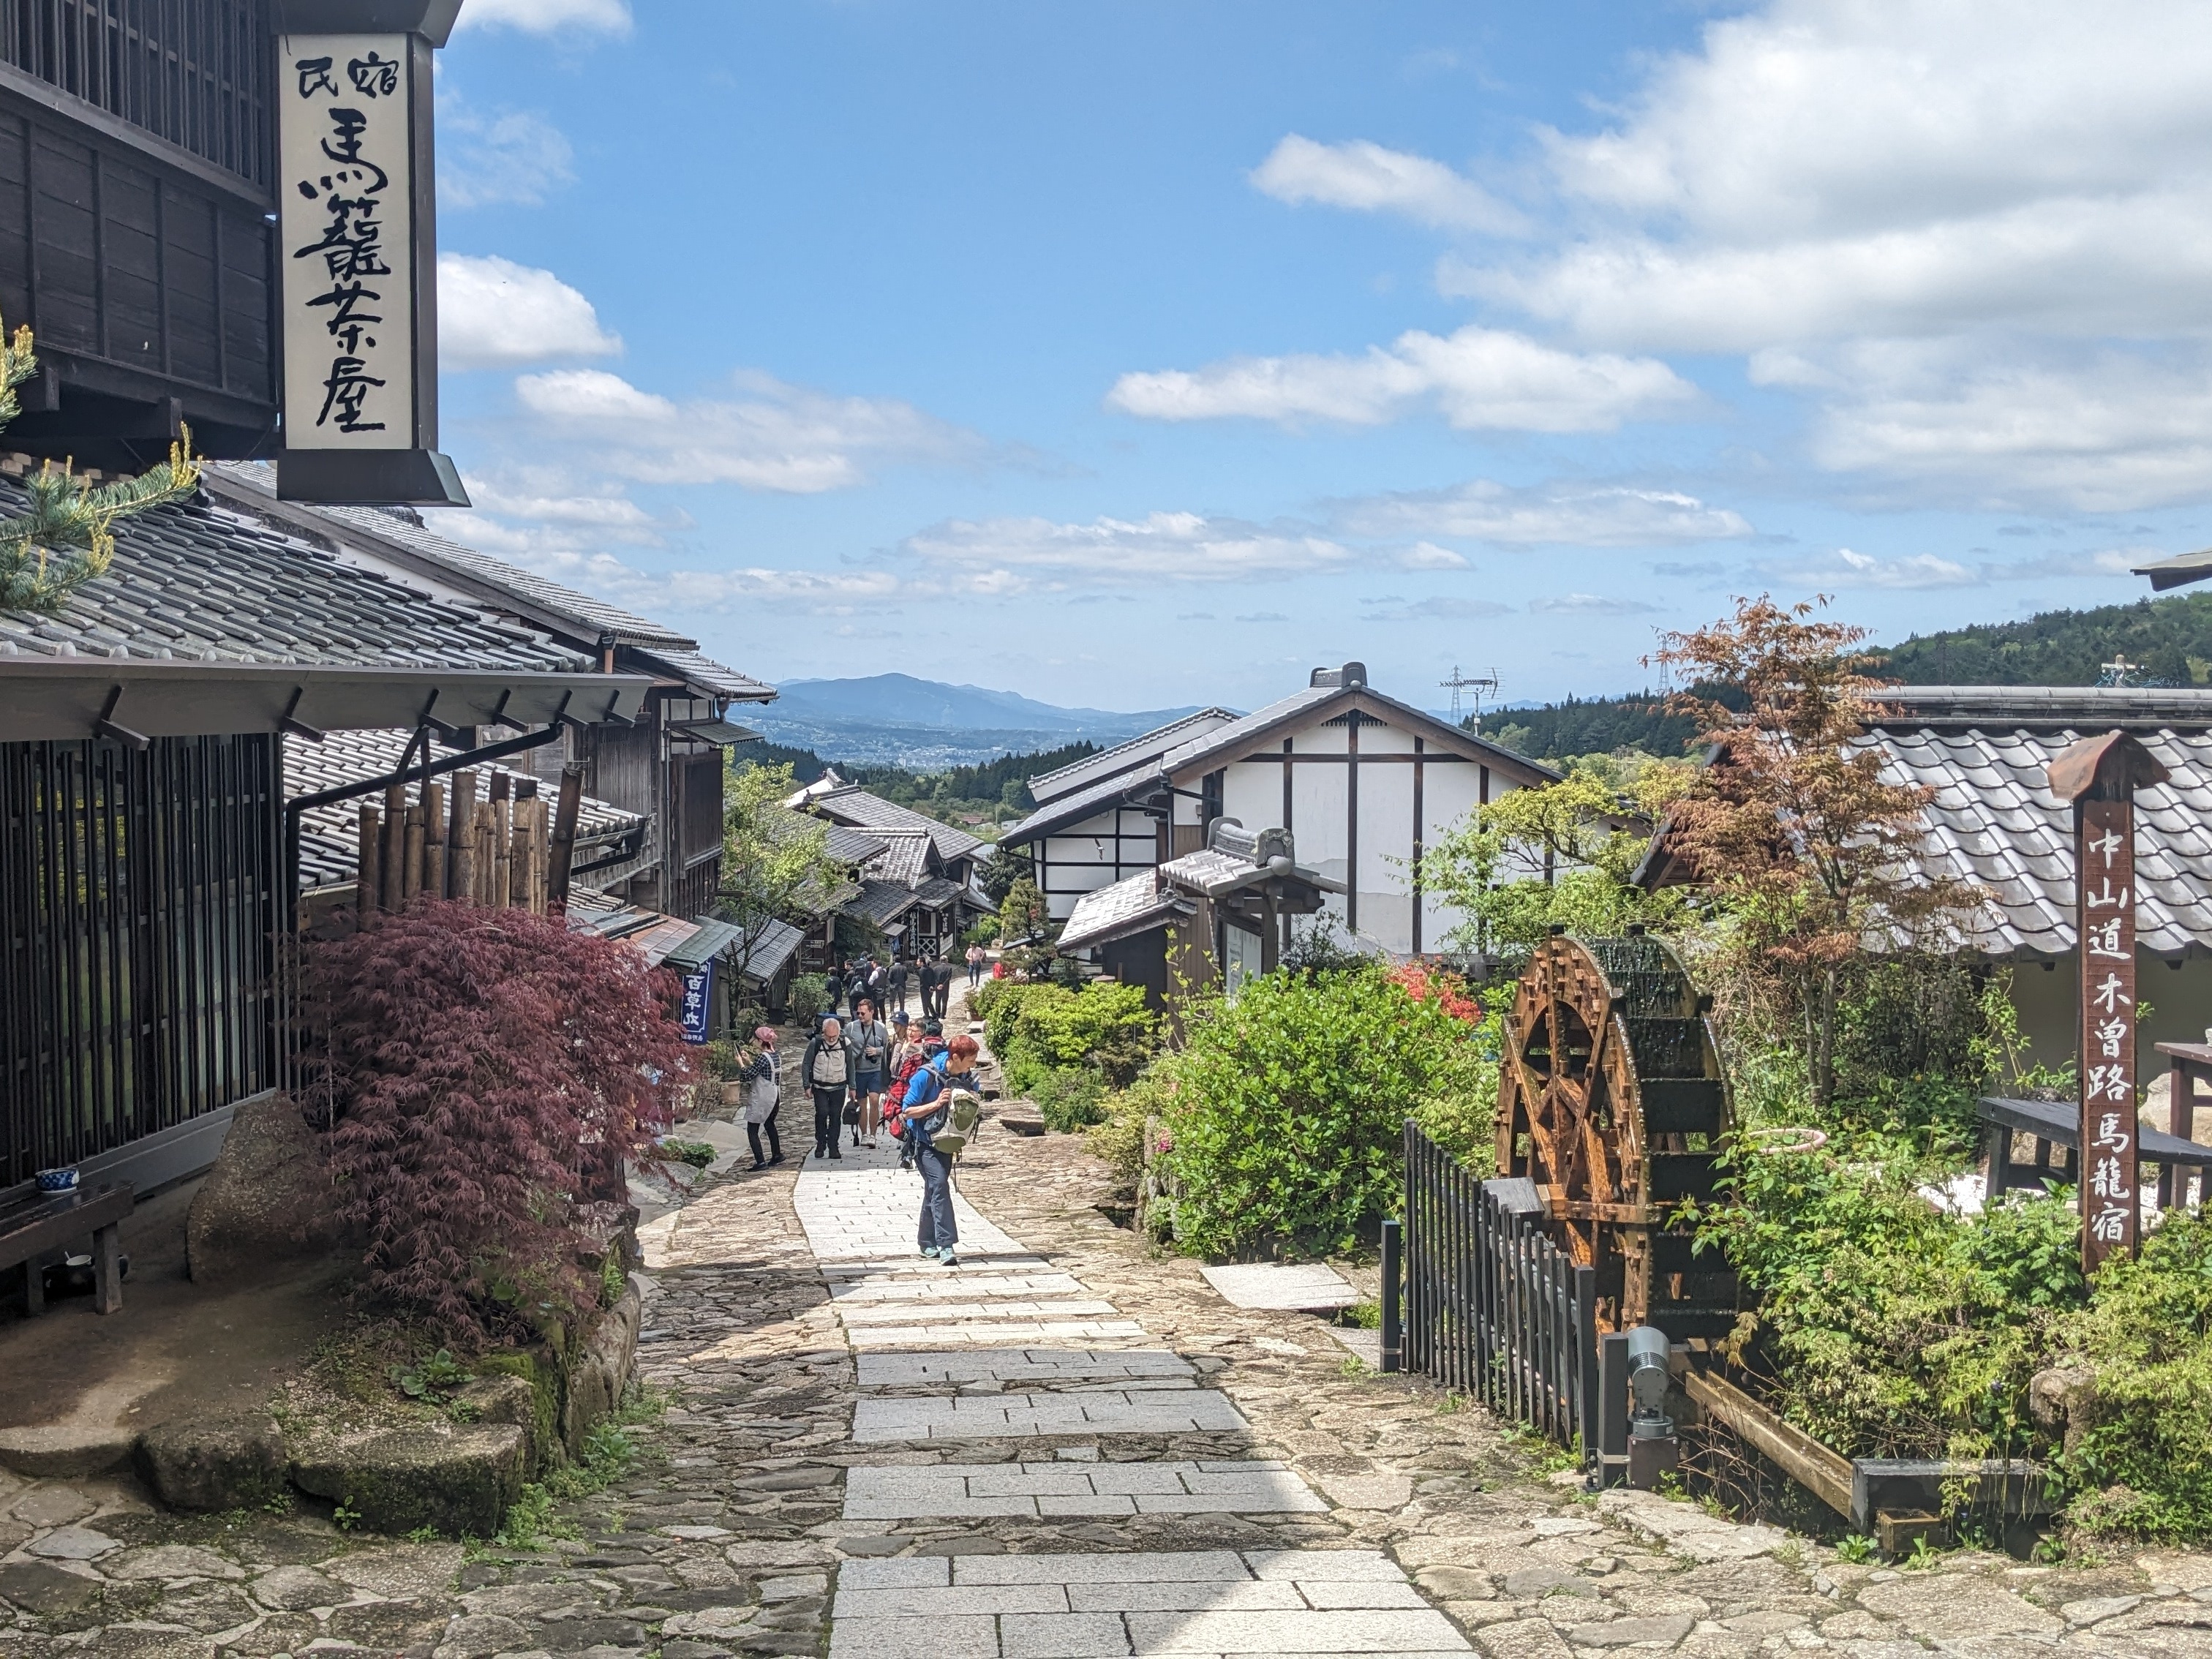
[[1476, 683]]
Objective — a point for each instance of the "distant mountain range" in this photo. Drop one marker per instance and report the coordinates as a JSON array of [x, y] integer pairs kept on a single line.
[[895, 719]]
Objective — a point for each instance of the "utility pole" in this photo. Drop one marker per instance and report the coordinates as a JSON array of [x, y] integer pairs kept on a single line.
[[1476, 683]]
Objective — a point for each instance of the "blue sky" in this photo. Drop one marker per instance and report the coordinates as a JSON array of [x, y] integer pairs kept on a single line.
[[1150, 354]]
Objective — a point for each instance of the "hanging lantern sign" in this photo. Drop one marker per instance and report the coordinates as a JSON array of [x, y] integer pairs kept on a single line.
[[357, 223]]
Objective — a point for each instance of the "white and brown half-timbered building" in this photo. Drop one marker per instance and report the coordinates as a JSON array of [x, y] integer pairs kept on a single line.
[[1364, 781]]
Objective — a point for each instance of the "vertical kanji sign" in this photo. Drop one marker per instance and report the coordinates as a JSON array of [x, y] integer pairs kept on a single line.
[[357, 252], [2100, 776]]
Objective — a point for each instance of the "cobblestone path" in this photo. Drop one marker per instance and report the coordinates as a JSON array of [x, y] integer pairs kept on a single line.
[[1063, 1447]]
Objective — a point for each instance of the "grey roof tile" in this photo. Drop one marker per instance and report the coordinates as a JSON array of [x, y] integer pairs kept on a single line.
[[1128, 906], [195, 583], [854, 805], [1108, 762]]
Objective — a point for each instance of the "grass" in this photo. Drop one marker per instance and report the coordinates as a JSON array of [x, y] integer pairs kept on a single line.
[[610, 1451]]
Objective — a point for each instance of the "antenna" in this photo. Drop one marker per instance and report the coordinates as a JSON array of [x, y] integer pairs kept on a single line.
[[1478, 684]]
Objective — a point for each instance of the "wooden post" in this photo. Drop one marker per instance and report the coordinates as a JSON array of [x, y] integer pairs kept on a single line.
[[370, 840], [537, 830], [460, 868], [2100, 776], [391, 876], [564, 839], [482, 891], [502, 840], [411, 858], [434, 839]]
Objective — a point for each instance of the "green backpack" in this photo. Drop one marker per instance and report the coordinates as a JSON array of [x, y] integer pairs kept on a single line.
[[963, 1110]]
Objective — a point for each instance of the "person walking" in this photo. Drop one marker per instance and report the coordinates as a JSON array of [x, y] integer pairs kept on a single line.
[[764, 1098], [856, 986], [896, 986], [975, 966], [936, 981], [871, 1039], [828, 1065], [926, 1109]]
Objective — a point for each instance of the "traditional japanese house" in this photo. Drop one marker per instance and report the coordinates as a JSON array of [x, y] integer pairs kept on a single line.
[[145, 727], [1220, 914], [960, 856], [1365, 781], [1985, 752], [667, 767], [906, 893]]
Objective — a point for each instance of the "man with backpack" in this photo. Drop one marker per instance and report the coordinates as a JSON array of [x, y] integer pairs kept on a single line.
[[830, 1066], [896, 982], [937, 1123], [915, 1048]]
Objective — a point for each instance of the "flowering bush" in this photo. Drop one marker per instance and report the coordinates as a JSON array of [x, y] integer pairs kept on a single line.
[[485, 1075]]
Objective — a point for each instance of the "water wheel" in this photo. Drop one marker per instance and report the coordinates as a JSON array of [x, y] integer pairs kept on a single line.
[[1611, 1099]]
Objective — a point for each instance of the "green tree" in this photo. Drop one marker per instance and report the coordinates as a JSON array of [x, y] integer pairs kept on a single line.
[[1022, 912], [774, 860], [64, 539], [1556, 855]]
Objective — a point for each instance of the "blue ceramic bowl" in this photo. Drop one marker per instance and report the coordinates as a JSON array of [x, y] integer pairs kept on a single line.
[[58, 1180]]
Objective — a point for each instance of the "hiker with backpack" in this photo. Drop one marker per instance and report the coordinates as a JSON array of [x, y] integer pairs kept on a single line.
[[828, 1065], [918, 1048], [940, 1114]]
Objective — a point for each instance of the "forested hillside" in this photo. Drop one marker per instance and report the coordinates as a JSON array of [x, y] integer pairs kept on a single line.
[[2166, 643], [976, 798]]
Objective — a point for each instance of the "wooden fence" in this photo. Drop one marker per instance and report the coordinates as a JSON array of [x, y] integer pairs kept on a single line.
[[1491, 1306], [449, 844]]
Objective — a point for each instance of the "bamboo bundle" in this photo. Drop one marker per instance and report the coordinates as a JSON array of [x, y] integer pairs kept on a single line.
[[518, 861], [411, 858], [503, 842], [483, 830], [538, 840], [434, 839], [390, 876], [460, 837], [370, 839]]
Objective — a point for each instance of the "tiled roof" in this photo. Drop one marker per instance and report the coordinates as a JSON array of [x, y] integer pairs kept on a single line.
[[1185, 755], [1994, 822], [779, 942], [1134, 904], [850, 845], [943, 890], [884, 902], [194, 583], [2046, 708], [905, 857], [702, 671], [854, 804], [1121, 756], [1084, 803], [329, 835]]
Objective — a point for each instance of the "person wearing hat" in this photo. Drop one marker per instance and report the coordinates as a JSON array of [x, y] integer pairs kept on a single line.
[[764, 1098]]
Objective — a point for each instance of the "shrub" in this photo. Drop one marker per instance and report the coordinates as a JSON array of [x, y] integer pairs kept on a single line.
[[1284, 1123], [2145, 1461], [486, 1074], [1069, 1098], [811, 996], [1039, 1029]]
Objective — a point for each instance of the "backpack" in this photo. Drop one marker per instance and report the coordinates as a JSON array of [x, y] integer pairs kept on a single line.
[[829, 1058], [965, 1111]]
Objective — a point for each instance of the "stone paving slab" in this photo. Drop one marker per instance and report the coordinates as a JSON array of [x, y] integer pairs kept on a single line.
[[1002, 1416], [955, 1283], [1306, 1286], [1009, 1331], [1022, 1366], [976, 1489], [894, 1313]]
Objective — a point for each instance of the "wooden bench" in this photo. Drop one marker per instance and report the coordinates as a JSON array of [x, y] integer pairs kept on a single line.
[[2057, 1125], [49, 1221]]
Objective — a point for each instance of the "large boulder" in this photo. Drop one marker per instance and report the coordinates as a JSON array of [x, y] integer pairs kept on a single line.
[[598, 1370], [215, 1462], [457, 1477], [267, 1201]]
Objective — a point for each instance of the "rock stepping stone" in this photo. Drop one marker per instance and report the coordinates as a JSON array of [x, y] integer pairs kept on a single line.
[[1310, 1287], [976, 1491], [1288, 1602], [1005, 1416]]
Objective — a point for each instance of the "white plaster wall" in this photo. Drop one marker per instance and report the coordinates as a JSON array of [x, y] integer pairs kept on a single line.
[[1091, 841], [2180, 1009]]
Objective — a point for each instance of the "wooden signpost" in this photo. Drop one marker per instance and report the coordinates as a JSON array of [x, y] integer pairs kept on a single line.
[[2100, 776]]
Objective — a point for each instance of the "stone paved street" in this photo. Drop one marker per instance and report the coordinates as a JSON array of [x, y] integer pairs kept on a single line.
[[1070, 1447]]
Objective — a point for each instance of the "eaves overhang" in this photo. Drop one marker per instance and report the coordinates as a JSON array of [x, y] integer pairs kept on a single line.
[[72, 698]]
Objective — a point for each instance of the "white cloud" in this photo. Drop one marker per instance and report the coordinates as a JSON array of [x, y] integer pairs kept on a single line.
[[1844, 568], [494, 313], [1438, 609], [1477, 378], [513, 156], [549, 16], [772, 436], [546, 498], [1543, 515], [2099, 431], [1177, 547], [1592, 605], [1370, 178]]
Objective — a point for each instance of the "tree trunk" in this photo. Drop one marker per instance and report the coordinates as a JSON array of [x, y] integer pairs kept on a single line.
[[1822, 1012]]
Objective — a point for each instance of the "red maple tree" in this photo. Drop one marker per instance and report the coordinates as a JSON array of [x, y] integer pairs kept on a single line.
[[486, 1074]]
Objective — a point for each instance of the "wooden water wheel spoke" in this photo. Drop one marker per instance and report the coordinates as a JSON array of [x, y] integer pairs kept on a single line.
[[1592, 1022]]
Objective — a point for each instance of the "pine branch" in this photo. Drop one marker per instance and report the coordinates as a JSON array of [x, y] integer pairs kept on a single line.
[[66, 538]]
